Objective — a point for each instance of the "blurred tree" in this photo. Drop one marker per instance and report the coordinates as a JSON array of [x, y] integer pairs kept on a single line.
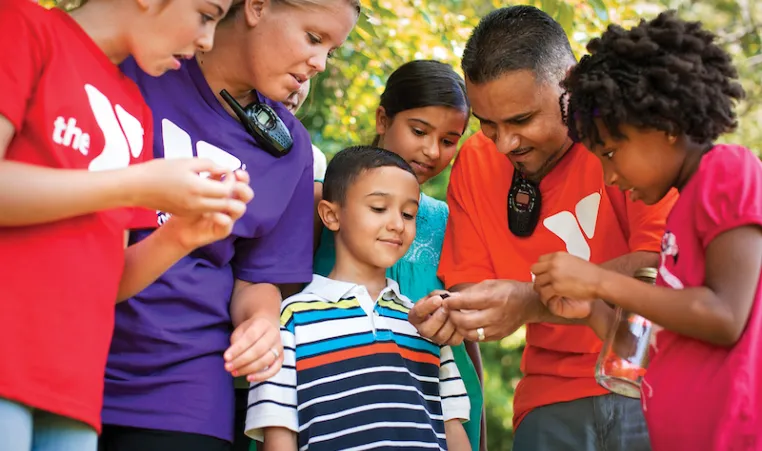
[[340, 110]]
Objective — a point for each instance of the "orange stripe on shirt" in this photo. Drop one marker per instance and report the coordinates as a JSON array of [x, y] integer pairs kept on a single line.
[[372, 349]]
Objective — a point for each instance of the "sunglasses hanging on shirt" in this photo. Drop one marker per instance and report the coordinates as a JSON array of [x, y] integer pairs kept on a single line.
[[263, 124], [524, 202]]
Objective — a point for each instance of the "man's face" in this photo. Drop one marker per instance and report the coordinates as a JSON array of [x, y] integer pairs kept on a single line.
[[522, 116]]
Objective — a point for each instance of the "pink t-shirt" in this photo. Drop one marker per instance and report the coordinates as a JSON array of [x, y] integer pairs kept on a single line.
[[697, 396]]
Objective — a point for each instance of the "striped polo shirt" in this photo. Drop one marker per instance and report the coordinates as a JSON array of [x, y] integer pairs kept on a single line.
[[357, 375]]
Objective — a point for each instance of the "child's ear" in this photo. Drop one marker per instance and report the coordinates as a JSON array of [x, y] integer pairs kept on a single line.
[[382, 120], [329, 214], [253, 11]]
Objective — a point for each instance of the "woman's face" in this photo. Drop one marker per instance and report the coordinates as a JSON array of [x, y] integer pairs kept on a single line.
[[289, 45], [173, 31], [426, 138]]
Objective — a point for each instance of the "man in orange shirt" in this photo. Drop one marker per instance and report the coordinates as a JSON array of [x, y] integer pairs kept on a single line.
[[520, 189]]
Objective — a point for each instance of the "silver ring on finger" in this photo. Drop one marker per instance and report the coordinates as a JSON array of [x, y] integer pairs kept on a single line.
[[480, 334], [275, 353]]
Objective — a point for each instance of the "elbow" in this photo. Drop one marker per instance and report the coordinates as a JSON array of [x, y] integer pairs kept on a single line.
[[727, 330], [727, 335]]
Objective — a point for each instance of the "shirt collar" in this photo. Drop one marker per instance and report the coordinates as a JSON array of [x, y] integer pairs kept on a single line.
[[333, 290]]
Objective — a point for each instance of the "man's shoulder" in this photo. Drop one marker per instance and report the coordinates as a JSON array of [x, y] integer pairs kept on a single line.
[[478, 148]]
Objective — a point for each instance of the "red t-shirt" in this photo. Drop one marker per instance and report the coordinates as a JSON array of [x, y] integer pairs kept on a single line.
[[579, 215], [697, 396], [71, 108]]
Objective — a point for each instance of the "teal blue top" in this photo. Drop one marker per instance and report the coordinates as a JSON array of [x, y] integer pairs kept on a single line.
[[416, 274]]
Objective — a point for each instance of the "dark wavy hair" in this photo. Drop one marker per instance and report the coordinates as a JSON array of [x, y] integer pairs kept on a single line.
[[664, 74]]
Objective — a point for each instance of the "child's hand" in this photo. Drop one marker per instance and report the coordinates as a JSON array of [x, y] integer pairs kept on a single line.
[[199, 230], [174, 186], [565, 283], [568, 308], [432, 319], [256, 350]]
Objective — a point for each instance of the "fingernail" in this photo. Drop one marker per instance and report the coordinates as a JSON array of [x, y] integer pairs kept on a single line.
[[235, 373], [228, 366], [227, 356]]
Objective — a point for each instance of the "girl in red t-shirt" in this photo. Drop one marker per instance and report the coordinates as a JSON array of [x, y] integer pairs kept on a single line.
[[71, 128], [650, 102]]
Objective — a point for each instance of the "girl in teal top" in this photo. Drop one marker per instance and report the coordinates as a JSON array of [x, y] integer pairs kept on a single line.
[[423, 113]]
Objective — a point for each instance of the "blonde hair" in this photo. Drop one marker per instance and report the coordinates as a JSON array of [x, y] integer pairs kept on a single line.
[[238, 4]]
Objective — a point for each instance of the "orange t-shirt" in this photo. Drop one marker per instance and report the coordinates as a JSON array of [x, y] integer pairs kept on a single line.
[[579, 215]]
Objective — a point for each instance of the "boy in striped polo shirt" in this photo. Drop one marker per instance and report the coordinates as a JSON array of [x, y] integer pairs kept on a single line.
[[356, 374]]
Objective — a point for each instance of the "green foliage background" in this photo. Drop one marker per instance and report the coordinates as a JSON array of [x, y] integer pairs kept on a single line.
[[340, 109]]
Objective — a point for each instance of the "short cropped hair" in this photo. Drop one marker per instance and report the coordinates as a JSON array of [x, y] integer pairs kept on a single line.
[[349, 163], [517, 38]]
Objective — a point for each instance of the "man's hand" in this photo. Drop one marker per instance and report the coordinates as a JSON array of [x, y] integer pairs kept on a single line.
[[500, 307], [256, 350], [432, 320]]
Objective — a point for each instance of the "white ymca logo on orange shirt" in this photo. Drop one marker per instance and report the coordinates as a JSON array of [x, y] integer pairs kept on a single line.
[[570, 226], [122, 132]]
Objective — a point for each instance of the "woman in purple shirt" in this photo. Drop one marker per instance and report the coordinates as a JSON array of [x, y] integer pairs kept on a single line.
[[214, 315]]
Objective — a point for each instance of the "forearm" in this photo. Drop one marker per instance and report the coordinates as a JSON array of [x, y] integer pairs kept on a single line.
[[279, 439], [254, 299], [693, 312], [147, 260], [32, 194], [629, 263], [456, 437]]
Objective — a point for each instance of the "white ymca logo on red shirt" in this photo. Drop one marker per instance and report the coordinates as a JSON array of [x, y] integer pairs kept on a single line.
[[122, 132]]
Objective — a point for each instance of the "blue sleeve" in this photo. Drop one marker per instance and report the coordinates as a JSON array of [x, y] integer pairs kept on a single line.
[[285, 254]]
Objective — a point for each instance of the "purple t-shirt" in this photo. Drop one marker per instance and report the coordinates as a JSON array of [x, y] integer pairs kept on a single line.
[[165, 367]]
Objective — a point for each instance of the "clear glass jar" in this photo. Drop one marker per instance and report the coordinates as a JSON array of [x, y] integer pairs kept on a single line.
[[623, 360]]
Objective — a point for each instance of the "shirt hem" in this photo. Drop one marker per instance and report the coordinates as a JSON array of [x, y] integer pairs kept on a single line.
[[161, 424], [43, 401]]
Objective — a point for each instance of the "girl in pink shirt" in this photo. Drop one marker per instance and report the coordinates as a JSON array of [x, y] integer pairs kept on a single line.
[[650, 102]]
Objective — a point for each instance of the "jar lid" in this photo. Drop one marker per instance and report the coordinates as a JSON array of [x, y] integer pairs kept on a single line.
[[649, 273]]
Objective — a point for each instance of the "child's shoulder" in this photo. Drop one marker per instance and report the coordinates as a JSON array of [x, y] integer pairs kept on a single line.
[[729, 160], [729, 168]]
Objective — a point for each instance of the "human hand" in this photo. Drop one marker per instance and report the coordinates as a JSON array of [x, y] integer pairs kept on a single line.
[[568, 308], [256, 350], [497, 307], [175, 186], [433, 321], [199, 230], [566, 281]]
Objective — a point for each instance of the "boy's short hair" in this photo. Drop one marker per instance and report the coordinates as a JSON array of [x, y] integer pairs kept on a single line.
[[349, 163]]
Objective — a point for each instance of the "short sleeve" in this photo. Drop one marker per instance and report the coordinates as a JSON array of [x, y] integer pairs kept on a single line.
[[465, 257], [455, 403], [319, 163], [728, 192], [23, 59], [285, 254], [272, 403], [643, 225]]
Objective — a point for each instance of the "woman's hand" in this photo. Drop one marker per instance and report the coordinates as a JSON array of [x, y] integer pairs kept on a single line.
[[256, 350]]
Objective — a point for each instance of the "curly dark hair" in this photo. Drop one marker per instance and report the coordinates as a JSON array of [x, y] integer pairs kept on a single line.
[[665, 74]]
